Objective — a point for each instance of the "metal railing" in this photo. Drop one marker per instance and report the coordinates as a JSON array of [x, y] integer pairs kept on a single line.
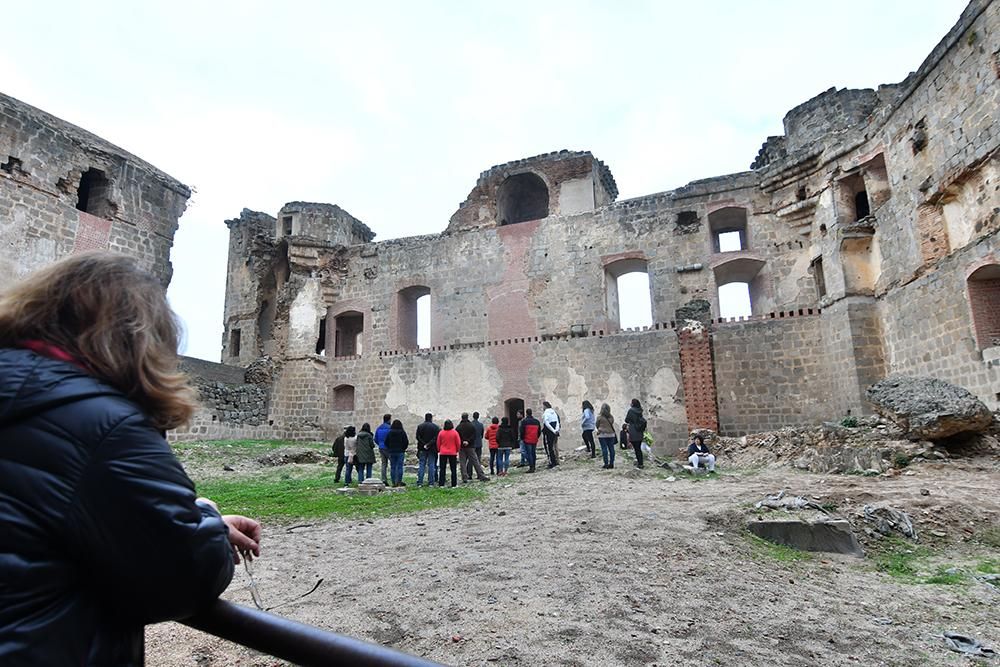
[[295, 642]]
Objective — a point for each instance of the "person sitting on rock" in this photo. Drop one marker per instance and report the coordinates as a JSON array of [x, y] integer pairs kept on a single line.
[[698, 454]]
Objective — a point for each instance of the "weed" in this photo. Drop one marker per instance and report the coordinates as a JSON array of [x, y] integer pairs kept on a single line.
[[778, 552], [949, 576], [849, 422], [900, 460], [988, 567], [899, 558]]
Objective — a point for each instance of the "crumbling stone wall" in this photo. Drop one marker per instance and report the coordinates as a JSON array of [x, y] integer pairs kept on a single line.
[[132, 207], [864, 220]]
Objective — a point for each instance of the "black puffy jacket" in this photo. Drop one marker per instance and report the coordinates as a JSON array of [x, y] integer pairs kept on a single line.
[[100, 530]]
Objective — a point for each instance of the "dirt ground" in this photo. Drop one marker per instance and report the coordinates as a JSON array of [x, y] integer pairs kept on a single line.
[[583, 566]]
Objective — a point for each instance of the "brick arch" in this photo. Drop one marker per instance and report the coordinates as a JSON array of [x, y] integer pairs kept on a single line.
[[983, 288]]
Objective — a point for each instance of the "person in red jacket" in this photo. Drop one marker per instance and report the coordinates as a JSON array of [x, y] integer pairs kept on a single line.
[[448, 445], [530, 429], [491, 438]]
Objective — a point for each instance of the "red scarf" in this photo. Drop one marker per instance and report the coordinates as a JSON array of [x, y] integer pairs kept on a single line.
[[52, 352]]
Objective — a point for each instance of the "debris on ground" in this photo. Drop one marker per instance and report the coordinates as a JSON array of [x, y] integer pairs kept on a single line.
[[781, 501], [888, 520], [967, 645]]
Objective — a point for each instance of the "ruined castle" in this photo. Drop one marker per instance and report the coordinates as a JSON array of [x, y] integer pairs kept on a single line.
[[867, 236]]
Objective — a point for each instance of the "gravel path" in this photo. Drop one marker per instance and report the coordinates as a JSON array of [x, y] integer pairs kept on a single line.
[[582, 566]]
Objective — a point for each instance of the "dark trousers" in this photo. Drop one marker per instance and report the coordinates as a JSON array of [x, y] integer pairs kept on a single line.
[[493, 461], [341, 462], [637, 446], [588, 439], [552, 447], [451, 460], [385, 465]]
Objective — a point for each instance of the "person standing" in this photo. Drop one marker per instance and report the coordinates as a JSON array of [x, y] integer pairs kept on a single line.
[[587, 423], [364, 448], [478, 441], [550, 431], [338, 451], [449, 443], [102, 530], [491, 440], [350, 454], [636, 429], [380, 434], [468, 461], [426, 437], [518, 416], [530, 431], [396, 443], [506, 437], [606, 435]]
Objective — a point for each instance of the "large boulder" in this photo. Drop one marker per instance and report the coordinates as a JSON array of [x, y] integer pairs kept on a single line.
[[927, 408]]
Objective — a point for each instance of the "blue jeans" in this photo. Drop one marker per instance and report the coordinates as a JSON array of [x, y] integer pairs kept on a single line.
[[608, 450], [427, 463], [364, 471], [347, 473], [529, 451], [524, 451], [396, 466], [503, 459]]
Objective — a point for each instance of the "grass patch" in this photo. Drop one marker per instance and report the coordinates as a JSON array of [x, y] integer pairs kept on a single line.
[[948, 576], [283, 497], [778, 552], [988, 567], [900, 558]]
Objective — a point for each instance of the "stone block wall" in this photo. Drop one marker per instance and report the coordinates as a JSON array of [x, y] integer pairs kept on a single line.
[[43, 161], [772, 373]]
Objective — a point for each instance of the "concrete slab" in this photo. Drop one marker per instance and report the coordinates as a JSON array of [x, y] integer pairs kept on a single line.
[[833, 536]]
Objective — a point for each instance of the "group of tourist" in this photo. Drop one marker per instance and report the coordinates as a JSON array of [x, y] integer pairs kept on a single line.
[[459, 447]]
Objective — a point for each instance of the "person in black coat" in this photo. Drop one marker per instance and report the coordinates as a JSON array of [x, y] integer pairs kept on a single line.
[[102, 530], [636, 429], [396, 443]]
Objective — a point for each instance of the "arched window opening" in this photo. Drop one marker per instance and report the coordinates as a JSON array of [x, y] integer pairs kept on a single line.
[[348, 329], [628, 297], [343, 398], [321, 338], [984, 299], [740, 286], [521, 198], [424, 321], [734, 300], [412, 330], [729, 229], [93, 195]]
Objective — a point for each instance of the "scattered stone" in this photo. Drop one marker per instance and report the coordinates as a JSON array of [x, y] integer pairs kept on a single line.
[[287, 455], [347, 491], [888, 520], [228, 468], [928, 408], [671, 479], [925, 492]]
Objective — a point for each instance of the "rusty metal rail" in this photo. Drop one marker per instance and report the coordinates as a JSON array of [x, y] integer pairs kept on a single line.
[[296, 642]]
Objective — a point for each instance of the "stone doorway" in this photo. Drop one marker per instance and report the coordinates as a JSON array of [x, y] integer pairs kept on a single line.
[[511, 407]]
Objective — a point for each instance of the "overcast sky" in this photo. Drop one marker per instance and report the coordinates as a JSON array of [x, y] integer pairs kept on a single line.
[[391, 109]]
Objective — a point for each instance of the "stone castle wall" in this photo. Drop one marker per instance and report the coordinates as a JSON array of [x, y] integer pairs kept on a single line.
[[861, 228], [133, 207]]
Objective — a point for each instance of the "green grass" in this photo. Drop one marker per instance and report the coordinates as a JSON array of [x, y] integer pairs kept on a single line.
[[909, 563], [778, 552], [990, 537], [989, 566], [283, 497], [946, 576]]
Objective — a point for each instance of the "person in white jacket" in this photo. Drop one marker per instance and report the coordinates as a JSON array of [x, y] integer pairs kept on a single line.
[[550, 431]]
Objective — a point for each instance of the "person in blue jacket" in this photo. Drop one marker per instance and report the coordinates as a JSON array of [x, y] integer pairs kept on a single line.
[[102, 530], [380, 433]]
